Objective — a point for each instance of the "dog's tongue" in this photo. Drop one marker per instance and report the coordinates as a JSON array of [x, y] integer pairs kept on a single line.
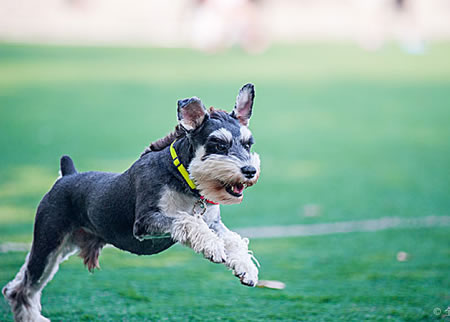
[[238, 189]]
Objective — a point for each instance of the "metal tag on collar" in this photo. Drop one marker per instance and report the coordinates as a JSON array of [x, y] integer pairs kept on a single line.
[[199, 207]]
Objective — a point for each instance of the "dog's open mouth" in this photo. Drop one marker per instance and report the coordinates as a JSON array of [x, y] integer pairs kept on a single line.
[[235, 189]]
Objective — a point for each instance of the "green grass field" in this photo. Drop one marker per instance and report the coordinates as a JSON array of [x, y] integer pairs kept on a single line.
[[361, 135]]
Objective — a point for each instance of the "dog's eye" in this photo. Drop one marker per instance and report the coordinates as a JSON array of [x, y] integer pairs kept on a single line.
[[221, 147], [247, 145]]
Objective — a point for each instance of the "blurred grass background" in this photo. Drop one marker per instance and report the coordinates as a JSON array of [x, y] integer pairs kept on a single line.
[[357, 135]]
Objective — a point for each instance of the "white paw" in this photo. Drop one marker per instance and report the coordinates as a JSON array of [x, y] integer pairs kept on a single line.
[[42, 319], [216, 252], [247, 273]]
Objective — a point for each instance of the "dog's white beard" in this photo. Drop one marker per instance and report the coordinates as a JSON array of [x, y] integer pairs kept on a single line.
[[211, 174]]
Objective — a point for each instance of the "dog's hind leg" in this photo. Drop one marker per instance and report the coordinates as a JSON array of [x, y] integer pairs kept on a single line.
[[51, 245]]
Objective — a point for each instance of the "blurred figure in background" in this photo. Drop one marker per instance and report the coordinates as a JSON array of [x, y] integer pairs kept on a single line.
[[407, 29], [219, 24], [215, 25], [390, 19]]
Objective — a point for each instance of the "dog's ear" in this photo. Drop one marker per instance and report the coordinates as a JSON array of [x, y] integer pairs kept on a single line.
[[244, 103], [191, 113]]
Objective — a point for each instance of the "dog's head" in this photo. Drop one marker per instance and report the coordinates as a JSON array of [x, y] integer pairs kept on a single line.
[[223, 164]]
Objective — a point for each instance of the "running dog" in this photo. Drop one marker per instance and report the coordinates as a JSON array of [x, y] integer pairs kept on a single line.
[[170, 194]]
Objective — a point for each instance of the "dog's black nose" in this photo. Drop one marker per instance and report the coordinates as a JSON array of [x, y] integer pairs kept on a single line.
[[248, 171]]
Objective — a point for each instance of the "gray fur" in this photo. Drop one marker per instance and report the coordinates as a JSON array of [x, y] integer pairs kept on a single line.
[[86, 210]]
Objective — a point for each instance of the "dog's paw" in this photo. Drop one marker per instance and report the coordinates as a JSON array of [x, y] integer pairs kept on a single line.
[[41, 319], [247, 272], [216, 252]]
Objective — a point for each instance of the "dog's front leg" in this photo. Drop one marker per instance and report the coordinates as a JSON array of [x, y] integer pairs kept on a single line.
[[151, 224], [193, 232], [239, 258]]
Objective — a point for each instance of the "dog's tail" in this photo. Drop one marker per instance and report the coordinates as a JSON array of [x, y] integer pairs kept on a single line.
[[67, 166]]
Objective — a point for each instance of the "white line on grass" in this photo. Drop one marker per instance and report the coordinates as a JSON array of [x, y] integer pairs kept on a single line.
[[14, 247], [311, 229], [344, 227]]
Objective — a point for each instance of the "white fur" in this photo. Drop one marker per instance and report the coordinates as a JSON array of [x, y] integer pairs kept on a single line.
[[208, 235], [23, 313], [246, 134], [174, 204], [188, 228], [192, 231], [239, 258], [33, 292], [210, 174], [223, 134]]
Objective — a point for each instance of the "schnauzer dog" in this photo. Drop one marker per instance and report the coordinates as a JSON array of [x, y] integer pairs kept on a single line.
[[170, 194]]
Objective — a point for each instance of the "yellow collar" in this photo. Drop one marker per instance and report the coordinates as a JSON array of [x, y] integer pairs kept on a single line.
[[180, 167]]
